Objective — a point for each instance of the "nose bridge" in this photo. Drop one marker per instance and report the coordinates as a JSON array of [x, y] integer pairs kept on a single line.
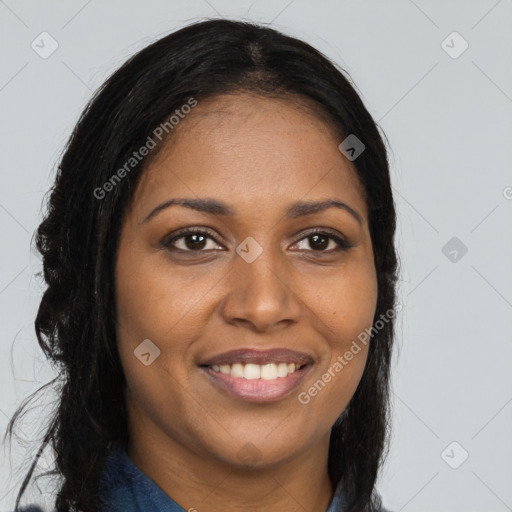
[[259, 292], [264, 276]]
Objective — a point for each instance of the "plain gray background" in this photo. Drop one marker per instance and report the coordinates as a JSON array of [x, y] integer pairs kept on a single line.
[[448, 120]]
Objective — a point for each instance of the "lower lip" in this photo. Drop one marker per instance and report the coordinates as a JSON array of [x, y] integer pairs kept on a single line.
[[257, 390]]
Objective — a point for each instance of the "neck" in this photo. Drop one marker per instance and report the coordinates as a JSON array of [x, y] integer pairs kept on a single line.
[[197, 482]]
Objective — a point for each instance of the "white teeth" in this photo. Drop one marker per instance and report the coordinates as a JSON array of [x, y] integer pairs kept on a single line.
[[282, 370], [269, 371], [225, 368], [252, 371], [237, 370]]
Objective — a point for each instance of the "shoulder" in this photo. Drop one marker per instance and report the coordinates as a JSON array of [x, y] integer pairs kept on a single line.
[[30, 508]]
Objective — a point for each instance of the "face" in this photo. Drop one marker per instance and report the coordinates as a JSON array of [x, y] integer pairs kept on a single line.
[[248, 300]]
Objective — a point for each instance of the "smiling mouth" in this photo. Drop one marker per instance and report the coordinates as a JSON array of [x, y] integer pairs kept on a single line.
[[251, 371], [257, 375], [256, 383]]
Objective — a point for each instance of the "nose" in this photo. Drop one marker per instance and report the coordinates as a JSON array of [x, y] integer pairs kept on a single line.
[[261, 295]]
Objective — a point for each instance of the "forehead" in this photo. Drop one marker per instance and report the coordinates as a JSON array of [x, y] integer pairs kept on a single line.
[[247, 148]]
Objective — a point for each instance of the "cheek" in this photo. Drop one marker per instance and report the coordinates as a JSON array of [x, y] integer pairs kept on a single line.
[[346, 306], [152, 303], [155, 307], [344, 312], [150, 307]]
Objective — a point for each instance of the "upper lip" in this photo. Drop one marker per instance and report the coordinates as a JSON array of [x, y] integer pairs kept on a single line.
[[243, 356]]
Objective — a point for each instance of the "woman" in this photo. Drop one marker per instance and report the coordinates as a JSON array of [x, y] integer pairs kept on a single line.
[[220, 267]]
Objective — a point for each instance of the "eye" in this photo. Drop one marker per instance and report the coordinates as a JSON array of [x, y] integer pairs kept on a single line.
[[196, 240], [191, 240], [320, 240]]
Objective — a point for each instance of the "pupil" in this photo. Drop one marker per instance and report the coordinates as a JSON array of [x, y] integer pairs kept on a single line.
[[320, 245], [195, 244]]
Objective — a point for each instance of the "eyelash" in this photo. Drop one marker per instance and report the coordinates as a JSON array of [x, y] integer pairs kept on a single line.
[[342, 243]]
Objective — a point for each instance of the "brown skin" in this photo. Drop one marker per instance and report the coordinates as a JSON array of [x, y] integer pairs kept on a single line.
[[258, 155]]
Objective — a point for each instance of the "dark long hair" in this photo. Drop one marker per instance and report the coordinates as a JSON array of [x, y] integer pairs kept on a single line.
[[78, 241]]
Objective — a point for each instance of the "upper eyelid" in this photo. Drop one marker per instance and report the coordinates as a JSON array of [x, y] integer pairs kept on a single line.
[[189, 231]]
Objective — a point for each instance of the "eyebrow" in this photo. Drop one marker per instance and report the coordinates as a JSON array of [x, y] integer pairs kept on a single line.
[[214, 207]]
